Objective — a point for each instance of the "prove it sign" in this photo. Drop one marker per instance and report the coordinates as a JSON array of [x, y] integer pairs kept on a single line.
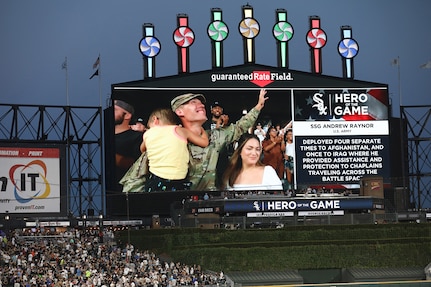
[[340, 135], [30, 179]]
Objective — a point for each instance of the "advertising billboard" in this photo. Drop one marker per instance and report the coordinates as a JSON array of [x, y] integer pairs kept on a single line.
[[31, 179], [281, 206]]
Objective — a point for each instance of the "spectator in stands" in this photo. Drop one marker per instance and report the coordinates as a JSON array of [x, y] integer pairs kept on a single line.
[[273, 148], [246, 171], [77, 260], [127, 141], [289, 156], [139, 125], [218, 118], [260, 132]]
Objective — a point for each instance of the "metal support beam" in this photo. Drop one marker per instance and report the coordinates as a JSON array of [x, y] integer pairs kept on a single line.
[[80, 130], [418, 128]]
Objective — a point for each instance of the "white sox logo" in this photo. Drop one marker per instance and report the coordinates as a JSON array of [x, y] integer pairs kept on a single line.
[[320, 105], [256, 206]]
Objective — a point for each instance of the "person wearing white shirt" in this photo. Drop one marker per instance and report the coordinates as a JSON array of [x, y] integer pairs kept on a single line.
[[260, 132], [289, 155], [245, 170]]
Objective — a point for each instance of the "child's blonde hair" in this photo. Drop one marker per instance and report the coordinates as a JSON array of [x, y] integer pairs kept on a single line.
[[165, 116]]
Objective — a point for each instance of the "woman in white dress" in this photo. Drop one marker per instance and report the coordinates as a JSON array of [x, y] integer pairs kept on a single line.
[[245, 170]]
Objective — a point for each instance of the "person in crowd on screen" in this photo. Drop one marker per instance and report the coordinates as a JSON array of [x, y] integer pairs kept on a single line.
[[127, 141], [282, 131], [166, 145], [139, 125], [218, 118], [273, 148], [191, 110], [246, 171], [260, 132], [289, 156]]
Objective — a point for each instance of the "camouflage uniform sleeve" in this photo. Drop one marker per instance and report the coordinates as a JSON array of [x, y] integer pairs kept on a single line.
[[244, 123], [203, 161]]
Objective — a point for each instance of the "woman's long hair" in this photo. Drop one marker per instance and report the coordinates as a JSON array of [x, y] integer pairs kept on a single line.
[[235, 164], [268, 134]]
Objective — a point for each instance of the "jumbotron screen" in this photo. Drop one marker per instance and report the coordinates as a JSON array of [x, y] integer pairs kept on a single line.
[[340, 134]]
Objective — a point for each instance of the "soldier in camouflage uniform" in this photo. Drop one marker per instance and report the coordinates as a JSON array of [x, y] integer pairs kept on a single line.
[[203, 161]]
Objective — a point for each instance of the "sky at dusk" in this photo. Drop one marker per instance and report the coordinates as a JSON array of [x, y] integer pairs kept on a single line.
[[37, 36]]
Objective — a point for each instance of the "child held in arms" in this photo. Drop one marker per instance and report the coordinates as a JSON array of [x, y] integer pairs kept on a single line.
[[166, 145]]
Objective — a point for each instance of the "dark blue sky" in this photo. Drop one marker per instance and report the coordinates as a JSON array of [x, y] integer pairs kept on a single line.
[[36, 36]]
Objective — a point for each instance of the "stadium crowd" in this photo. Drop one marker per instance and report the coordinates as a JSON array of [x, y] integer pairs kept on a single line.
[[76, 258]]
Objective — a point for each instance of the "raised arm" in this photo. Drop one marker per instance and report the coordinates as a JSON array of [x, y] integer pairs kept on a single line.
[[247, 121], [262, 99], [288, 126]]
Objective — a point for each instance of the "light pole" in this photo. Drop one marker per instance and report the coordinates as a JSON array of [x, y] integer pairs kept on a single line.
[[128, 218], [101, 227], [6, 218], [84, 217]]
